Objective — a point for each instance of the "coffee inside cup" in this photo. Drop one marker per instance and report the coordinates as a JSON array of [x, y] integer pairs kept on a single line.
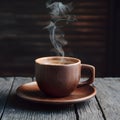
[[57, 61]]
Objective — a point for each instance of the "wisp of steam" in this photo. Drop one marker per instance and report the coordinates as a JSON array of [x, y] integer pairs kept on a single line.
[[58, 12]]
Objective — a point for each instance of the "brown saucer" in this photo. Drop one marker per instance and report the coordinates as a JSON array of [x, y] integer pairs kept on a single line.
[[31, 92]]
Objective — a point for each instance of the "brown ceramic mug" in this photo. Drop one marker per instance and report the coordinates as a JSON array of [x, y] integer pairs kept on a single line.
[[58, 76]]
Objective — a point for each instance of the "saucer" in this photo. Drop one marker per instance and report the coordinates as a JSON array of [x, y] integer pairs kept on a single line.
[[30, 91]]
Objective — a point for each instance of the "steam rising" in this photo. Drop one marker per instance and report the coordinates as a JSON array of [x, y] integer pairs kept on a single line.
[[58, 12]]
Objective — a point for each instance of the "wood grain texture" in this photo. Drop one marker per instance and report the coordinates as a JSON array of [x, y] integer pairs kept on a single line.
[[19, 109], [108, 94], [89, 110], [11, 110], [105, 106], [5, 87]]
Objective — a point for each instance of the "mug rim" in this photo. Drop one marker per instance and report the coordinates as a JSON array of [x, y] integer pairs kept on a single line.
[[40, 59]]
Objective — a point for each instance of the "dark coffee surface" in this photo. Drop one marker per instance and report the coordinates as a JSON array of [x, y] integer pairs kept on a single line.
[[59, 62]]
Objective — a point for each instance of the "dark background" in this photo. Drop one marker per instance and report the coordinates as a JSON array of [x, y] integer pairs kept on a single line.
[[94, 37]]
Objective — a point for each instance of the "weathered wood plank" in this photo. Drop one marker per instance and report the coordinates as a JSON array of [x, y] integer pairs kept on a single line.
[[109, 97], [108, 100], [5, 86], [17, 109], [89, 110]]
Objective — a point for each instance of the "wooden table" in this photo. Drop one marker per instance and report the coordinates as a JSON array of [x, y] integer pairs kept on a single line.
[[104, 106]]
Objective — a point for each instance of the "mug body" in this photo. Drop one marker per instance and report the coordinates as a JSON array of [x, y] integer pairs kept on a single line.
[[57, 76]]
